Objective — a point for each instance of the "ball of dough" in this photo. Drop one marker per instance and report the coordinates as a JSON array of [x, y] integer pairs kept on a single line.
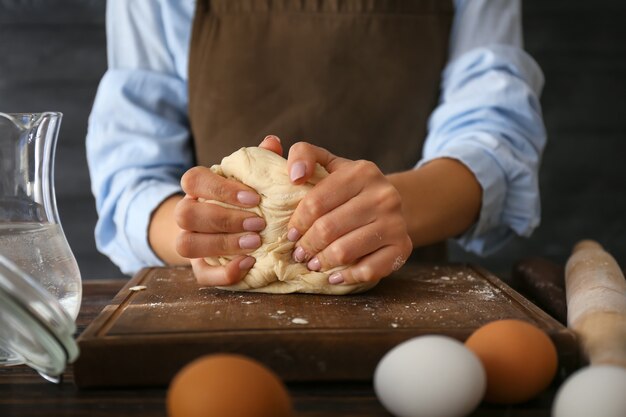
[[275, 271]]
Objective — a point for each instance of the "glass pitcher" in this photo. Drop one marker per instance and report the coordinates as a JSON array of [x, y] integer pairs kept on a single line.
[[38, 272]]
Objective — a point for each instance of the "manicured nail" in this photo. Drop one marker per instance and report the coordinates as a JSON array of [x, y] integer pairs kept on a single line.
[[276, 138], [254, 224], [299, 254], [298, 170], [335, 278], [248, 197], [293, 234], [246, 263], [314, 264], [249, 241]]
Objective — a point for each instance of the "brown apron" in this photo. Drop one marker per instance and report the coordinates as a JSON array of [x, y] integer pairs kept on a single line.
[[357, 77]]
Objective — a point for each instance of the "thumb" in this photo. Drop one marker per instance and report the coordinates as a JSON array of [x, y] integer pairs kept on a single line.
[[272, 143], [302, 160]]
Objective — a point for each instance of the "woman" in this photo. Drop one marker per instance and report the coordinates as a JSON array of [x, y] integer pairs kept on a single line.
[[355, 78]]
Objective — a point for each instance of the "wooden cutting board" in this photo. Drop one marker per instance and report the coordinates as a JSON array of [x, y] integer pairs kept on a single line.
[[144, 337]]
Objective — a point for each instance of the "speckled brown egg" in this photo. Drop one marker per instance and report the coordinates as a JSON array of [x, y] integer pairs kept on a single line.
[[225, 385], [519, 358]]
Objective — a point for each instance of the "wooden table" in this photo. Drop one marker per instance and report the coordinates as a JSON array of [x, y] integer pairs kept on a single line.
[[24, 393]]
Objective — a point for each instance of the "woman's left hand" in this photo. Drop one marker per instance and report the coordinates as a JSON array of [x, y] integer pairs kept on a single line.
[[353, 216]]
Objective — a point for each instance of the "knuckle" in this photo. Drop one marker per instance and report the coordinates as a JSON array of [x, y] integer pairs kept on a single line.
[[299, 223], [389, 198], [366, 167], [310, 249], [338, 255], [190, 179], [363, 273], [223, 243], [184, 244], [313, 206], [325, 231], [184, 215], [221, 221], [232, 224], [364, 164], [298, 147], [219, 190]]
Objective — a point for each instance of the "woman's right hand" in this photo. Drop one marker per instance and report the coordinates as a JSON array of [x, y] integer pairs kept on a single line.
[[210, 230]]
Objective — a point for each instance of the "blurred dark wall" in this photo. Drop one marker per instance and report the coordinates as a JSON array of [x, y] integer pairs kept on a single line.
[[52, 55], [581, 47]]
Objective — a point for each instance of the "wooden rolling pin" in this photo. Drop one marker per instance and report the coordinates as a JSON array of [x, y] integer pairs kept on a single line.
[[596, 303]]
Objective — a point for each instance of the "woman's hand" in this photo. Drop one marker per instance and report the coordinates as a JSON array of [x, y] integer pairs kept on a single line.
[[212, 230], [352, 216]]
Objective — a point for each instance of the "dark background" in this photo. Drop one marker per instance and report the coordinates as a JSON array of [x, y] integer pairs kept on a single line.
[[52, 56]]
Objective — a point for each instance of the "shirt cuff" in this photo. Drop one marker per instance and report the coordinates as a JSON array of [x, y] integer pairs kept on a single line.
[[478, 154]]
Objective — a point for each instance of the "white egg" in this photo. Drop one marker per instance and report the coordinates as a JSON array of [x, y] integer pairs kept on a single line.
[[598, 391], [430, 376]]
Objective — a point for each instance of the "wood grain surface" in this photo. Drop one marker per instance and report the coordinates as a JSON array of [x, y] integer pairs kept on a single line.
[[143, 337], [23, 393]]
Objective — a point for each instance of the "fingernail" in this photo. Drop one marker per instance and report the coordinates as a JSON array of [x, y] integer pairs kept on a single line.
[[248, 197], [293, 234], [254, 224], [299, 254], [249, 241], [272, 137], [298, 170], [247, 263], [335, 278], [314, 265]]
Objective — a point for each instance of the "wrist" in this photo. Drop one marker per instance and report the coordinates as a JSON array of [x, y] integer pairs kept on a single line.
[[441, 199]]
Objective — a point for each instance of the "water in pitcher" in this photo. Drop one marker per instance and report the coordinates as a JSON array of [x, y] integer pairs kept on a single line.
[[42, 251], [39, 276]]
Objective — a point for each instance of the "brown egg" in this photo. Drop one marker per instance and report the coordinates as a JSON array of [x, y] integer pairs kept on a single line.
[[226, 385], [519, 358]]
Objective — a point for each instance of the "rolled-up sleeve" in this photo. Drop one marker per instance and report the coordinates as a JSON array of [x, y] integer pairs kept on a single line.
[[138, 135], [489, 118]]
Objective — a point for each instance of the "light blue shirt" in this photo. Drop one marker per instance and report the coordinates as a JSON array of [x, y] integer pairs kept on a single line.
[[138, 143]]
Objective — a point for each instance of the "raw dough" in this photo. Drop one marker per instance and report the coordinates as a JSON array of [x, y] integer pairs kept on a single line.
[[274, 270]]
